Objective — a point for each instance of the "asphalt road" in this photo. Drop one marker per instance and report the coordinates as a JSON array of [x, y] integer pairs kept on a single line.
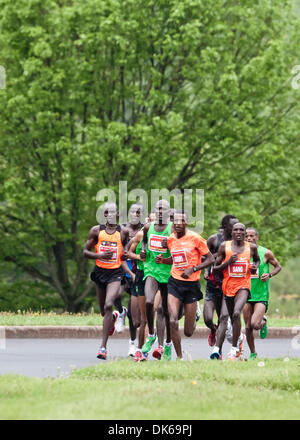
[[57, 357]]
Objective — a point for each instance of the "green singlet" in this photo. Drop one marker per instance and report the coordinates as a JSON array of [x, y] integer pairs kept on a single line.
[[260, 290], [161, 272]]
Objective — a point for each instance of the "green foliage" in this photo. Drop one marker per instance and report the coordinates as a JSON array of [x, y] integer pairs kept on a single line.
[[28, 295], [180, 93]]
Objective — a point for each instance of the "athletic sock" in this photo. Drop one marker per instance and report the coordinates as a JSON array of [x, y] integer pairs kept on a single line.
[[168, 344]]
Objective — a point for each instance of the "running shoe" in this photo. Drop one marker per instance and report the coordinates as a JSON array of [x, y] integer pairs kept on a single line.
[[120, 323], [138, 356], [233, 355], [241, 340], [253, 356], [198, 313], [132, 348], [158, 352], [148, 344], [212, 338], [102, 353], [115, 317], [167, 354], [264, 330], [215, 354], [144, 357]]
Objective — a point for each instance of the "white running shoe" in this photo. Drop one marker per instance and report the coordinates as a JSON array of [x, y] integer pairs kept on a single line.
[[132, 348], [233, 354], [120, 322], [228, 333], [198, 313]]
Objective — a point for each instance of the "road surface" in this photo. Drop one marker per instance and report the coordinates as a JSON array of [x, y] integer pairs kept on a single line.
[[57, 357]]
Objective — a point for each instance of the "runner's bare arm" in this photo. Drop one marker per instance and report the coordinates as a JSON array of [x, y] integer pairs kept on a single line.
[[219, 265], [255, 256], [133, 245], [208, 261], [270, 258], [144, 242], [126, 269], [124, 239], [159, 259], [211, 244]]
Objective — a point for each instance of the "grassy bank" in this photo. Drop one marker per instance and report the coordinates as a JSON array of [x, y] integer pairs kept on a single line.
[[178, 390]]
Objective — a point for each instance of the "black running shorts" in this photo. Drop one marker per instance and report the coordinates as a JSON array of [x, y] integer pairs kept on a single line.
[[103, 277], [186, 291], [139, 285]]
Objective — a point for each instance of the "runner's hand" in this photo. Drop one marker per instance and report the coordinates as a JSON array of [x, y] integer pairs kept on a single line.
[[159, 259], [124, 256], [132, 276], [143, 256], [265, 277], [206, 274], [233, 258], [186, 273], [106, 255]]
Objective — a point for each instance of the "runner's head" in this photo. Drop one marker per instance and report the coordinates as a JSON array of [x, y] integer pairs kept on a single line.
[[162, 211], [151, 217], [111, 213], [238, 232], [180, 222], [252, 235], [227, 223], [135, 213], [172, 213]]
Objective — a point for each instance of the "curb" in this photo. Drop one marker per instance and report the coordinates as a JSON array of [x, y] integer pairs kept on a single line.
[[90, 332]]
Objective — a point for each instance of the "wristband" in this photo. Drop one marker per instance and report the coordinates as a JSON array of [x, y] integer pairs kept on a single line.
[[270, 275]]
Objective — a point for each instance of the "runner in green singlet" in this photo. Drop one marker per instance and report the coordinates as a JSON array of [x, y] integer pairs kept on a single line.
[[257, 303], [156, 276]]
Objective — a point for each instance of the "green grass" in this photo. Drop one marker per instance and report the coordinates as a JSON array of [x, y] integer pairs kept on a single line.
[[179, 390], [39, 318]]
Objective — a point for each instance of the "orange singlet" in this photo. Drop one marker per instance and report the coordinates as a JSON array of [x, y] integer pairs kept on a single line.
[[237, 275], [109, 242]]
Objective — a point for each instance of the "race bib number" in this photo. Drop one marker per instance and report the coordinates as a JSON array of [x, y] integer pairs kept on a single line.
[[155, 243], [238, 269], [179, 258], [112, 247]]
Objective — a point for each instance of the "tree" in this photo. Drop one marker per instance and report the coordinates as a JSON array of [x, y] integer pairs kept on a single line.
[[180, 93]]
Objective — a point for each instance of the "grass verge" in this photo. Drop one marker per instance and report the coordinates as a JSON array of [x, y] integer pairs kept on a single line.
[[39, 318], [124, 390]]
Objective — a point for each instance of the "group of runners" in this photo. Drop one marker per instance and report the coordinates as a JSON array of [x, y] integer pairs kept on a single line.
[[159, 264]]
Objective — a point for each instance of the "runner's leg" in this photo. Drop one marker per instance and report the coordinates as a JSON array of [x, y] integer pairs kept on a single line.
[[221, 331], [190, 311], [164, 298], [174, 305], [247, 312], [142, 307], [112, 290], [101, 295], [239, 302], [151, 287]]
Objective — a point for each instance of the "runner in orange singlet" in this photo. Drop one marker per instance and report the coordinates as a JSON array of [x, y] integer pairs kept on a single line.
[[187, 248], [109, 241], [234, 260]]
